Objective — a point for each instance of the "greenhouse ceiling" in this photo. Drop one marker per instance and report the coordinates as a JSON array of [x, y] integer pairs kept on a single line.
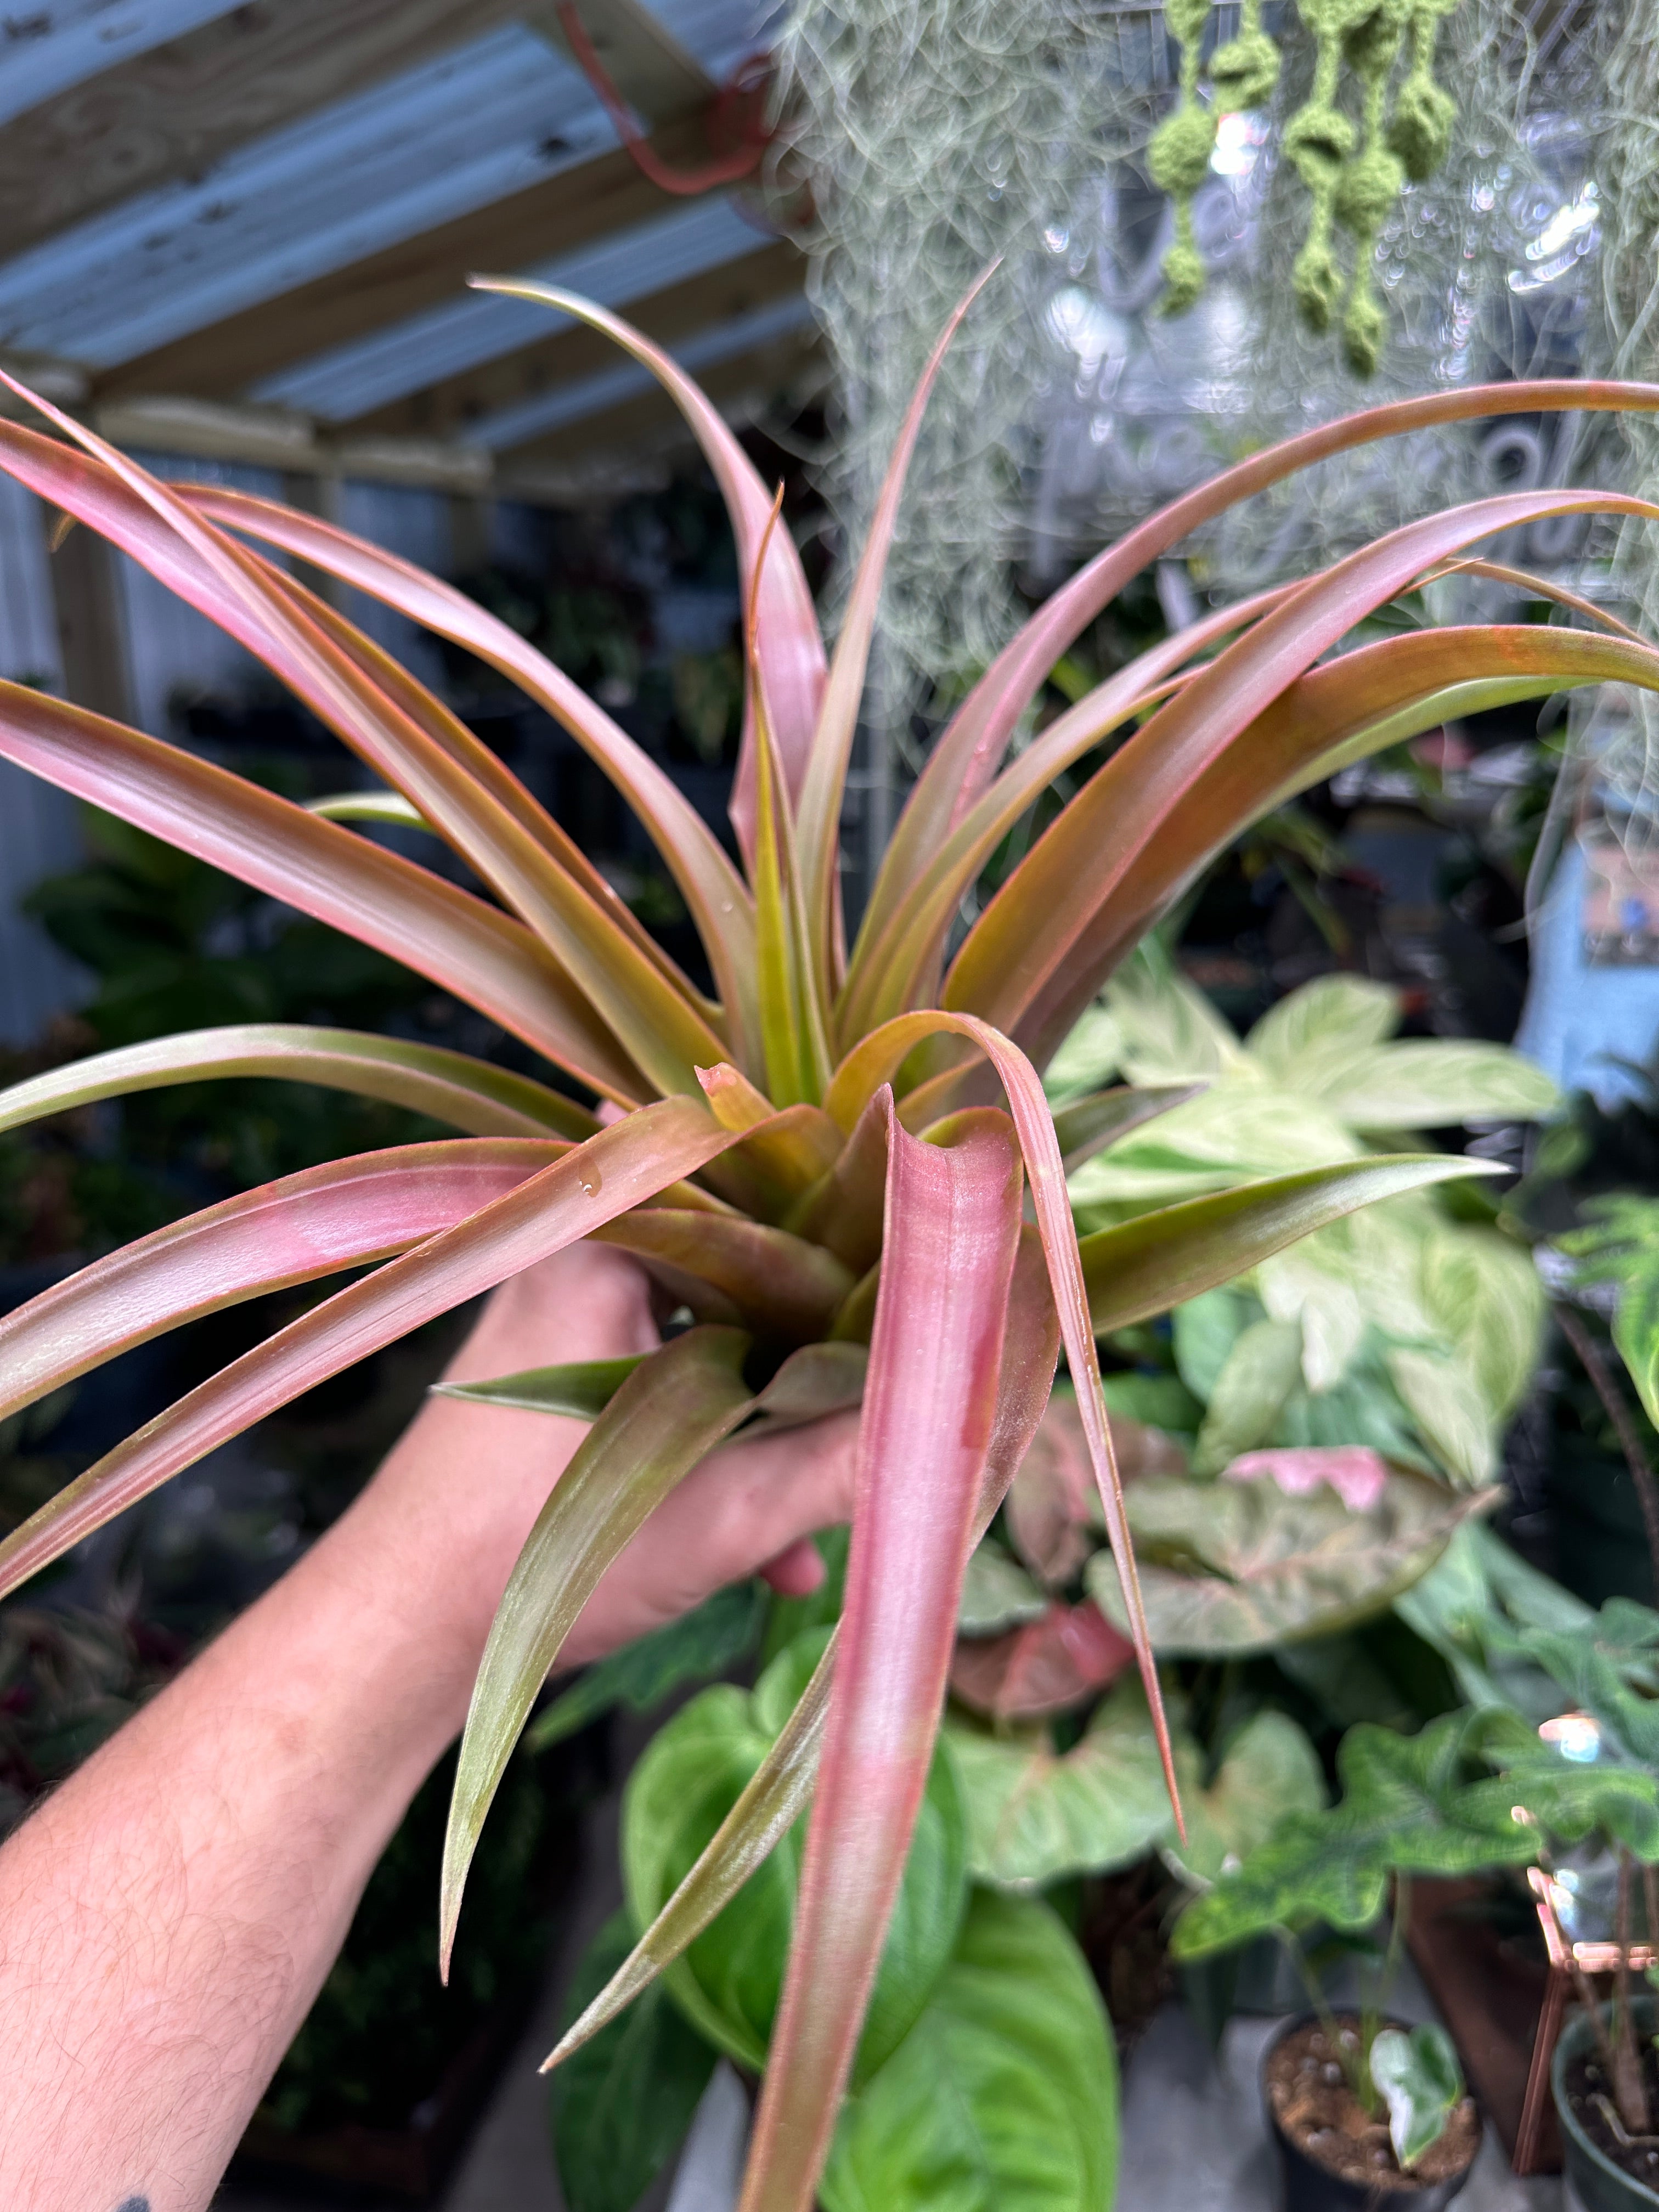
[[244, 232]]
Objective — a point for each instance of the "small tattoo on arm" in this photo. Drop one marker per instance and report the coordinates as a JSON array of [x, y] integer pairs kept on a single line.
[[133, 2204]]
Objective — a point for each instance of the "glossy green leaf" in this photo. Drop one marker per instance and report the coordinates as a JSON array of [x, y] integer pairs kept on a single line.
[[1421, 2083], [470, 1094], [1231, 1567], [1003, 2098], [1618, 1243], [1035, 1815], [1268, 1769], [997, 1593], [730, 1979], [1159, 1260], [1475, 1605], [710, 1638], [579, 1390], [622, 2106], [675, 1408]]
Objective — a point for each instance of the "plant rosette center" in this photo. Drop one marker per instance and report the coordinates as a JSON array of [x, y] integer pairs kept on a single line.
[[1307, 2084]]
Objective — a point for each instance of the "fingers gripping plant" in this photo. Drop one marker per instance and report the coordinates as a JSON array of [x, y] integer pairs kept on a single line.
[[837, 1152]]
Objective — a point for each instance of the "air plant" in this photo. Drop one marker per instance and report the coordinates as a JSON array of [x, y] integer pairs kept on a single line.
[[842, 1161]]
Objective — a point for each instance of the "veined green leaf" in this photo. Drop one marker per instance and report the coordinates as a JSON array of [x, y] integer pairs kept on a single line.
[[450, 1086], [1017, 2030], [674, 1408], [1268, 1769], [1430, 1082]]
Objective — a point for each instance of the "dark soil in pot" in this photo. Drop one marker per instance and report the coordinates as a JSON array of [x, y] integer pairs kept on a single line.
[[1332, 2153], [1587, 2095]]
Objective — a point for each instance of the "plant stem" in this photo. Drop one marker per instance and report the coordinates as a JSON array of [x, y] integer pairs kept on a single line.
[[1355, 2065], [1629, 1442], [1630, 2091]]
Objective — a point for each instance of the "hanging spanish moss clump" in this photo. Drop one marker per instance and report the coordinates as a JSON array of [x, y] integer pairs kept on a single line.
[[935, 135], [1352, 168]]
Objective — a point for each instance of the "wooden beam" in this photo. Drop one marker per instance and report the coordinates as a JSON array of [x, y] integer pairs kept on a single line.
[[649, 67], [554, 216], [637, 441], [173, 112], [445, 410]]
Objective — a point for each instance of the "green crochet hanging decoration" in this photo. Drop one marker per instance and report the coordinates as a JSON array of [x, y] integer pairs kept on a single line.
[[1353, 174]]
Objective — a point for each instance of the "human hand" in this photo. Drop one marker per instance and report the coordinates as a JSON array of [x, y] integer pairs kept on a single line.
[[473, 1477]]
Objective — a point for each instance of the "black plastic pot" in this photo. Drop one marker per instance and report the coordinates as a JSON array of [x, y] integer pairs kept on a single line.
[[1304, 2185], [1599, 2186]]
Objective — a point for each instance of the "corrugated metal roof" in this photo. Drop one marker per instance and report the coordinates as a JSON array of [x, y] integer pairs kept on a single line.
[[480, 326]]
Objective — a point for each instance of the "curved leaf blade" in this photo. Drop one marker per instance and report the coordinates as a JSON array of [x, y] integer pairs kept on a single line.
[[458, 941], [952, 1229], [677, 1405], [776, 1284], [450, 1086], [619, 1168], [344, 1214], [1144, 1266]]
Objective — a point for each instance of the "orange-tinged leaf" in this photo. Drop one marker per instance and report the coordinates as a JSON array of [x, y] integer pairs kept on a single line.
[[725, 1268], [325, 1218], [470, 1094], [952, 1228], [592, 1184], [456, 941]]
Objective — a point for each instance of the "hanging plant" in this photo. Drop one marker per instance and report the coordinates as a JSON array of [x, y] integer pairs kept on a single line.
[[1353, 170]]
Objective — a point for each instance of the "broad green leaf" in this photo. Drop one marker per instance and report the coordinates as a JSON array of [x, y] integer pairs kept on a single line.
[[729, 1981], [1090, 1056], [1446, 1402], [1433, 1083], [1256, 1377], [997, 1593], [622, 2105], [1301, 1290], [1314, 1032], [674, 1408], [1160, 1260], [1035, 1816], [1231, 1132], [1088, 1125], [1229, 1567], [1422, 2084], [706, 1641], [1270, 1769], [469, 1093], [1003, 2098], [1170, 1032], [1609, 1666], [1568, 1801], [579, 1390]]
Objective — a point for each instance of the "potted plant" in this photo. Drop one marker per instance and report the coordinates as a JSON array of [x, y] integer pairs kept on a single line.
[[1360, 2108], [769, 1160]]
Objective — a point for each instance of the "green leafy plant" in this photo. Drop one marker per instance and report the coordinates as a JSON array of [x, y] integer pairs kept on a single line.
[[814, 1153], [1426, 1804], [1398, 1327]]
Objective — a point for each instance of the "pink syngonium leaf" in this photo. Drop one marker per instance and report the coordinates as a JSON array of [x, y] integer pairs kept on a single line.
[[1045, 1667], [930, 1406], [792, 646], [344, 1214], [620, 1168], [1358, 1475]]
